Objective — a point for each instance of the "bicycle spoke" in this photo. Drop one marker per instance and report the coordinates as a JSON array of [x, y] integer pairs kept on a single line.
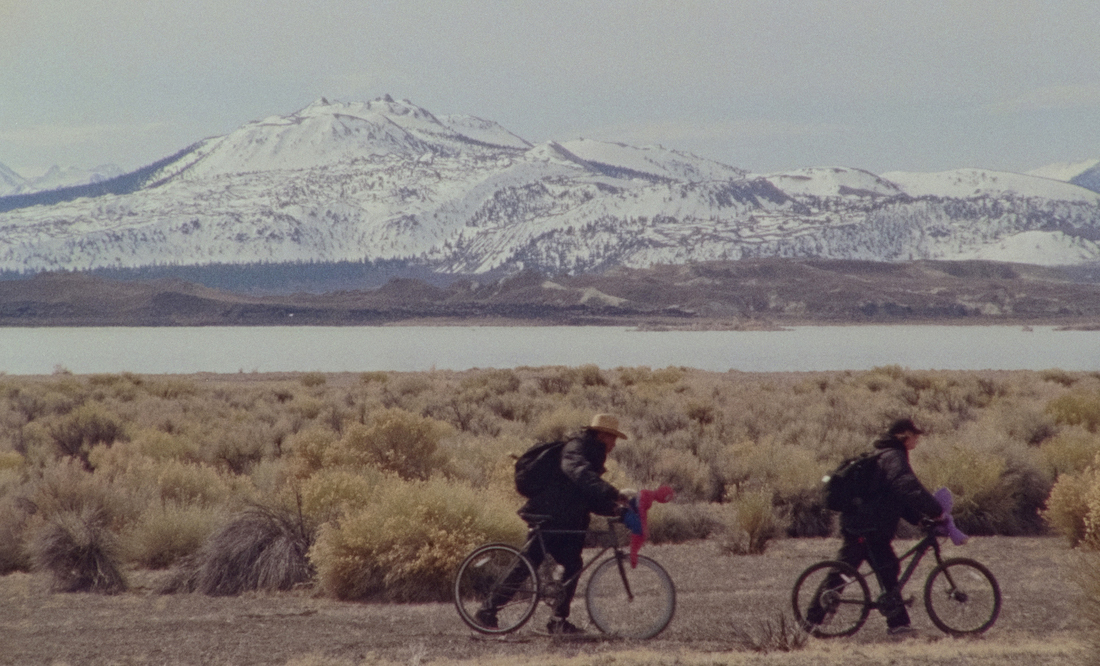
[[962, 597], [644, 612], [496, 576], [830, 599]]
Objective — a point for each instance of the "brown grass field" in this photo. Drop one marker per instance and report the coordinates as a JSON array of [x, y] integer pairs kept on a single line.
[[722, 599]]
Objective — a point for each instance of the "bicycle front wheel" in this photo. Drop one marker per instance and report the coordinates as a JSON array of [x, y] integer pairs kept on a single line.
[[831, 599], [630, 602], [496, 589], [962, 597]]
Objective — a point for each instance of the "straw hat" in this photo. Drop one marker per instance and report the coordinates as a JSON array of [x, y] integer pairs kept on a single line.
[[607, 423]]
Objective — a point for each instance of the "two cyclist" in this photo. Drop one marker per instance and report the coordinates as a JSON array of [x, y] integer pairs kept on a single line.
[[567, 496], [868, 528]]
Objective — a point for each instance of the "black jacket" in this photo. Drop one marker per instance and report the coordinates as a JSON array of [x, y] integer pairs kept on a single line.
[[899, 494], [578, 490]]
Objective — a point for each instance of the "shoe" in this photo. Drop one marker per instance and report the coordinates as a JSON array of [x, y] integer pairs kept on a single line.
[[562, 626], [486, 617], [902, 631]]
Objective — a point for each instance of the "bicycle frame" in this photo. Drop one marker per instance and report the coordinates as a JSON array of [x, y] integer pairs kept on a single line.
[[536, 532], [915, 555]]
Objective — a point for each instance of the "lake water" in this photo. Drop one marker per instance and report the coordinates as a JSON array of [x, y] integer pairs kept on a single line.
[[26, 351]]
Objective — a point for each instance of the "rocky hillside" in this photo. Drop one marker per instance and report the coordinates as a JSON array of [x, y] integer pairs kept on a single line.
[[734, 294]]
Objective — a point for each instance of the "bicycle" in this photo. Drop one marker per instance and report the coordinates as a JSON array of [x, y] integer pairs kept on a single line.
[[961, 595], [622, 601]]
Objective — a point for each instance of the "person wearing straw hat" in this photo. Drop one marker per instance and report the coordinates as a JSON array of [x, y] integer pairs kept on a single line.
[[569, 495]]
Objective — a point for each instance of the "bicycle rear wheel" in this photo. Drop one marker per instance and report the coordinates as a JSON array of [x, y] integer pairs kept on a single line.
[[831, 599], [962, 597], [496, 589], [630, 602]]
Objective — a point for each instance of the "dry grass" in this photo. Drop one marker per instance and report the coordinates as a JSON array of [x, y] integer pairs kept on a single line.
[[259, 549], [79, 552]]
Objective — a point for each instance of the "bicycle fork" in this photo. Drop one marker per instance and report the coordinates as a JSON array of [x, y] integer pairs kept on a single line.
[[619, 557]]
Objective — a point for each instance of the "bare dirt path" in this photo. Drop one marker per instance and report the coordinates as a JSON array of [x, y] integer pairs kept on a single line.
[[718, 596]]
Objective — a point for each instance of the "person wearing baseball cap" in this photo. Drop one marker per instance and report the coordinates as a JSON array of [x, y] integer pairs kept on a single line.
[[868, 528]]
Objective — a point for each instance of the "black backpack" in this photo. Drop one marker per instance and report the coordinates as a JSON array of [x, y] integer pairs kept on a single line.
[[537, 467], [853, 482]]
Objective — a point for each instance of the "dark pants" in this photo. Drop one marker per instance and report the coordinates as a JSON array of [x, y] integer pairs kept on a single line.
[[566, 551], [876, 550]]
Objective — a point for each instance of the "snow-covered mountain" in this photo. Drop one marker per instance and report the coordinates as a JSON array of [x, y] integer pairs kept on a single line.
[[54, 178], [387, 180], [10, 182]]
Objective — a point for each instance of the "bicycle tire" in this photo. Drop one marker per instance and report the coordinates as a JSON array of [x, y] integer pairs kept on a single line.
[[962, 597], [645, 612], [481, 574], [845, 605]]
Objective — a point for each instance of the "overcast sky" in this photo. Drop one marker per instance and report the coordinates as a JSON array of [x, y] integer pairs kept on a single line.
[[765, 85]]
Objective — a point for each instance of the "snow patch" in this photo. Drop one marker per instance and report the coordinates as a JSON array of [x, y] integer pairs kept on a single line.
[[1045, 248]]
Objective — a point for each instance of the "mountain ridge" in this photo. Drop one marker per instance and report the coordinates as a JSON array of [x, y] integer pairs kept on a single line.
[[387, 181]]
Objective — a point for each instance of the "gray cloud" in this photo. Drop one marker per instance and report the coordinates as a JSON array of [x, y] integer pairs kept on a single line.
[[759, 84]]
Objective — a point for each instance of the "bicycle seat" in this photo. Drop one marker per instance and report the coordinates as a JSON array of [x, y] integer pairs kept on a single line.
[[534, 519]]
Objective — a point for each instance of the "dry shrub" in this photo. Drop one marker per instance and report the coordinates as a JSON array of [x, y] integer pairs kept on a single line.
[[804, 514], [510, 407], [66, 487], [15, 515], [492, 382], [374, 377], [78, 550], [161, 445], [313, 379], [485, 461], [77, 432], [260, 549], [753, 524], [308, 450], [1070, 452], [168, 479], [406, 544], [590, 375], [557, 380], [171, 389], [782, 635], [308, 408], [1067, 507], [1080, 408], [239, 445], [1058, 376], [1092, 515], [997, 483], [167, 532], [403, 390], [396, 441], [679, 522], [333, 493], [476, 411], [787, 470], [690, 477], [561, 423], [645, 375]]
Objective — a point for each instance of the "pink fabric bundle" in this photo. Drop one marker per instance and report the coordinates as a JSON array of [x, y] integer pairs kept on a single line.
[[646, 498]]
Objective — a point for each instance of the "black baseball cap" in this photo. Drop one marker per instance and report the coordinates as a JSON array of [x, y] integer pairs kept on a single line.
[[902, 426]]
